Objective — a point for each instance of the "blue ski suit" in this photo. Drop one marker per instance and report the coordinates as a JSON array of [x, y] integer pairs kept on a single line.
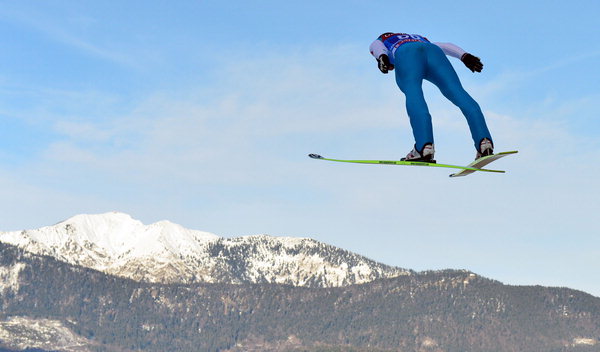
[[415, 58]]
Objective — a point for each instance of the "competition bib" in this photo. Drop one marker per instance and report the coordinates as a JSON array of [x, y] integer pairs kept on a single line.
[[393, 41]]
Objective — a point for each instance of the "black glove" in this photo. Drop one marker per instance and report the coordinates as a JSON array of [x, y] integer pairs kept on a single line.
[[383, 62], [472, 62]]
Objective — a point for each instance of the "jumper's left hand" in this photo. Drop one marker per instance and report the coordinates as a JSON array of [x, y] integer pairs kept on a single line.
[[473, 63]]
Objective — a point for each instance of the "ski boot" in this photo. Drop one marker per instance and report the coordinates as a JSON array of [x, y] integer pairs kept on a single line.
[[486, 147], [425, 155]]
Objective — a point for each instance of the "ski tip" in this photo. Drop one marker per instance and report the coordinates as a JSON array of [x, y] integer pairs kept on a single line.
[[315, 156]]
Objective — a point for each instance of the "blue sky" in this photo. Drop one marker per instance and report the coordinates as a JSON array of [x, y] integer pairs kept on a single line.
[[203, 112]]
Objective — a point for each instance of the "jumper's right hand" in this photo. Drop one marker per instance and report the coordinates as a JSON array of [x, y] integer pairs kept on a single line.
[[384, 64]]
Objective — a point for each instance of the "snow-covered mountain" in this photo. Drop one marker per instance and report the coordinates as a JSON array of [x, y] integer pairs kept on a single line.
[[165, 252]]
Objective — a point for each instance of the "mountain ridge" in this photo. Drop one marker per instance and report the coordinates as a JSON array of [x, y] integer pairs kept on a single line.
[[164, 252]]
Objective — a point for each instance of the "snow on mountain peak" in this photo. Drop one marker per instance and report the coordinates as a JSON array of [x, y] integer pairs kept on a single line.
[[117, 244], [115, 234]]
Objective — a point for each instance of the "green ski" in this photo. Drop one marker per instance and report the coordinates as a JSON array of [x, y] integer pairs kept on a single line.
[[481, 162], [409, 163]]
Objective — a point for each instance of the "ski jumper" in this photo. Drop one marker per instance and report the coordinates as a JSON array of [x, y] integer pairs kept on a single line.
[[415, 58]]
